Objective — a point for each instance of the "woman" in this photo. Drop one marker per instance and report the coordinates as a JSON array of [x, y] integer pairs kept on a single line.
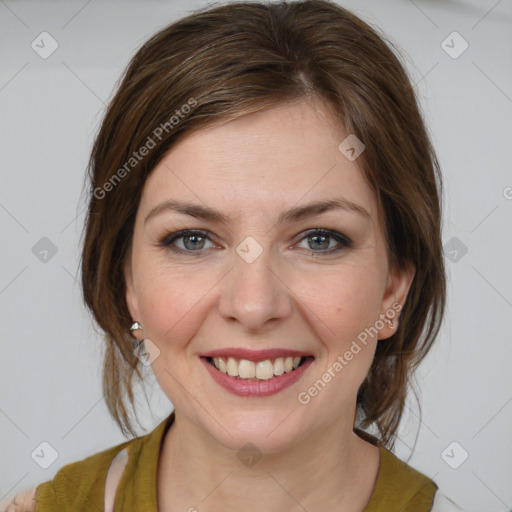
[[264, 220]]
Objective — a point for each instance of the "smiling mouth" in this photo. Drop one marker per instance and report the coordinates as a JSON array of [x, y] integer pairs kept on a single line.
[[245, 369]]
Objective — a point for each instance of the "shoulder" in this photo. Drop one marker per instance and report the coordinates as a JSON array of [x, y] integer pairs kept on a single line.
[[424, 491], [397, 474], [83, 485], [79, 485], [400, 486]]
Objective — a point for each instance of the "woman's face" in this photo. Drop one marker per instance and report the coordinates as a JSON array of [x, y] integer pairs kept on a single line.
[[254, 285]]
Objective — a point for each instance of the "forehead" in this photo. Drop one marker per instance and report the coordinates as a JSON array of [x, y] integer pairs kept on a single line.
[[262, 162]]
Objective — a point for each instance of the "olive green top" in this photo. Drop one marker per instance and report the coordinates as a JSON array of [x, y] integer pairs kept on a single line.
[[80, 486]]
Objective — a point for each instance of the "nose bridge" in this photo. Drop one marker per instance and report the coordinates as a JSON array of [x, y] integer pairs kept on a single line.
[[253, 292]]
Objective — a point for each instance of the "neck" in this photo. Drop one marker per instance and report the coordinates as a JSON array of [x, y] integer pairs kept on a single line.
[[331, 468]]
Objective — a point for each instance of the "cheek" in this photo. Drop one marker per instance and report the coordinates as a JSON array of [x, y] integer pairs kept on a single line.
[[345, 300], [169, 302], [344, 305]]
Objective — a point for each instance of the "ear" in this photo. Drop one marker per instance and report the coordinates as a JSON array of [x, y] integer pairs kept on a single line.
[[131, 297], [397, 287]]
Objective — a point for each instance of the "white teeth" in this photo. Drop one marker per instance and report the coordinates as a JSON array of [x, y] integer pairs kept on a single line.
[[246, 369], [279, 366], [263, 370], [232, 367]]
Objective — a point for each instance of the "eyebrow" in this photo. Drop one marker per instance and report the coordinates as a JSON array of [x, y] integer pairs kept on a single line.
[[292, 215]]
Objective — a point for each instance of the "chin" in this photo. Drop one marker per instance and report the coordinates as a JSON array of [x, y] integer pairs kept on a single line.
[[268, 430]]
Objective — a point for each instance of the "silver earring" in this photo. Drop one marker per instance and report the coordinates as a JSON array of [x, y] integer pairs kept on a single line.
[[390, 322], [135, 326]]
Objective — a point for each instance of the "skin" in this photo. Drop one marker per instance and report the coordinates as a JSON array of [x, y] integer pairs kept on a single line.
[[24, 501], [252, 169]]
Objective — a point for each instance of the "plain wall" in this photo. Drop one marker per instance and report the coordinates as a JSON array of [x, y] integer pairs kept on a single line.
[[51, 356]]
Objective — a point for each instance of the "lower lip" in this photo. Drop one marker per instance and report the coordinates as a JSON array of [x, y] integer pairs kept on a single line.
[[256, 387]]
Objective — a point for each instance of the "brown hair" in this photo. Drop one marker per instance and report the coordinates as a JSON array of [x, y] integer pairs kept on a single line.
[[227, 61]]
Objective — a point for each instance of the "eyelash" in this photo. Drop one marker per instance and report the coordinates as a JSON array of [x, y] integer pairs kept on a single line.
[[168, 239]]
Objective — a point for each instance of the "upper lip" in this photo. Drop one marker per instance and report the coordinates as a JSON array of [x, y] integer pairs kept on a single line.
[[255, 355]]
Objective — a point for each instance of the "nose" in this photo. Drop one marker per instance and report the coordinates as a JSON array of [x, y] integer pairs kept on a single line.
[[254, 293]]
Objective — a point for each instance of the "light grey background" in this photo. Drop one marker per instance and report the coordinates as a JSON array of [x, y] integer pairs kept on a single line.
[[51, 355]]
